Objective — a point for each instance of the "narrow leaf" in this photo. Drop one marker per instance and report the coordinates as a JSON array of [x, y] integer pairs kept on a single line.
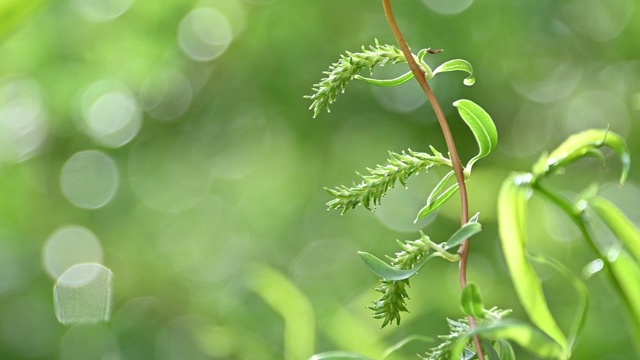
[[505, 350], [457, 65], [338, 355], [619, 223], [523, 334], [462, 234], [387, 272], [583, 144], [627, 272], [437, 198], [512, 217], [582, 308], [386, 82], [471, 301], [481, 126]]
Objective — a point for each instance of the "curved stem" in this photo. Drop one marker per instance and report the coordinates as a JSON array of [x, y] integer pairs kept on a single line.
[[458, 169]]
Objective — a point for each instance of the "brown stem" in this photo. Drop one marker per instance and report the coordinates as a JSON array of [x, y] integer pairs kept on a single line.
[[419, 74]]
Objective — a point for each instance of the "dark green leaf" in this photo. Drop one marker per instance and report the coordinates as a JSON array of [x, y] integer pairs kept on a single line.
[[512, 218], [481, 126], [464, 233], [523, 334], [457, 65], [471, 301], [584, 144], [387, 272]]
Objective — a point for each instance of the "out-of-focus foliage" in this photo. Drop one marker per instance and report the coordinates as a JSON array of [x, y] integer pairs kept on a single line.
[[168, 141]]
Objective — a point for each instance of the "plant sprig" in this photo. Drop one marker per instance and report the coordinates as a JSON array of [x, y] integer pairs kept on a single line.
[[348, 66], [375, 185]]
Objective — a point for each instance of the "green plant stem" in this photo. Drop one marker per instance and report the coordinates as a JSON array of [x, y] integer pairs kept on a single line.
[[458, 169]]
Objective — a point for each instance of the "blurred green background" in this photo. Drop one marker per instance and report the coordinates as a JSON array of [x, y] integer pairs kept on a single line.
[[169, 142]]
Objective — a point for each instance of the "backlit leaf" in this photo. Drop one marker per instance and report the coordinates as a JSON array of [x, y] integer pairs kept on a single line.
[[619, 223], [512, 218], [481, 126], [581, 145], [457, 65]]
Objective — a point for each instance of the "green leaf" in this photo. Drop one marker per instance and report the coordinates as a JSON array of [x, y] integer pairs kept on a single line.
[[386, 271], [512, 221], [489, 350], [386, 82], [464, 233], [523, 334], [627, 272], [582, 308], [437, 198], [338, 355], [619, 223], [457, 65], [400, 344], [583, 144], [504, 350], [471, 301], [481, 126]]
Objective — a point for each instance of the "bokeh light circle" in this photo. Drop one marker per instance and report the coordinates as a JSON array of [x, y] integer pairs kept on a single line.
[[204, 34], [111, 115], [68, 246], [102, 10], [89, 179], [23, 127], [83, 294], [600, 20], [448, 7], [167, 94]]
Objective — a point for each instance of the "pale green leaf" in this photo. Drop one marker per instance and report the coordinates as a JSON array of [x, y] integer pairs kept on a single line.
[[457, 65], [482, 127], [386, 82], [464, 233], [619, 223], [523, 334], [471, 301], [627, 272], [584, 144], [338, 355], [582, 308], [512, 218], [386, 271]]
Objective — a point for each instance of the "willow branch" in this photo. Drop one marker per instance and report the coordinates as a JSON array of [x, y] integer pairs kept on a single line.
[[419, 74]]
